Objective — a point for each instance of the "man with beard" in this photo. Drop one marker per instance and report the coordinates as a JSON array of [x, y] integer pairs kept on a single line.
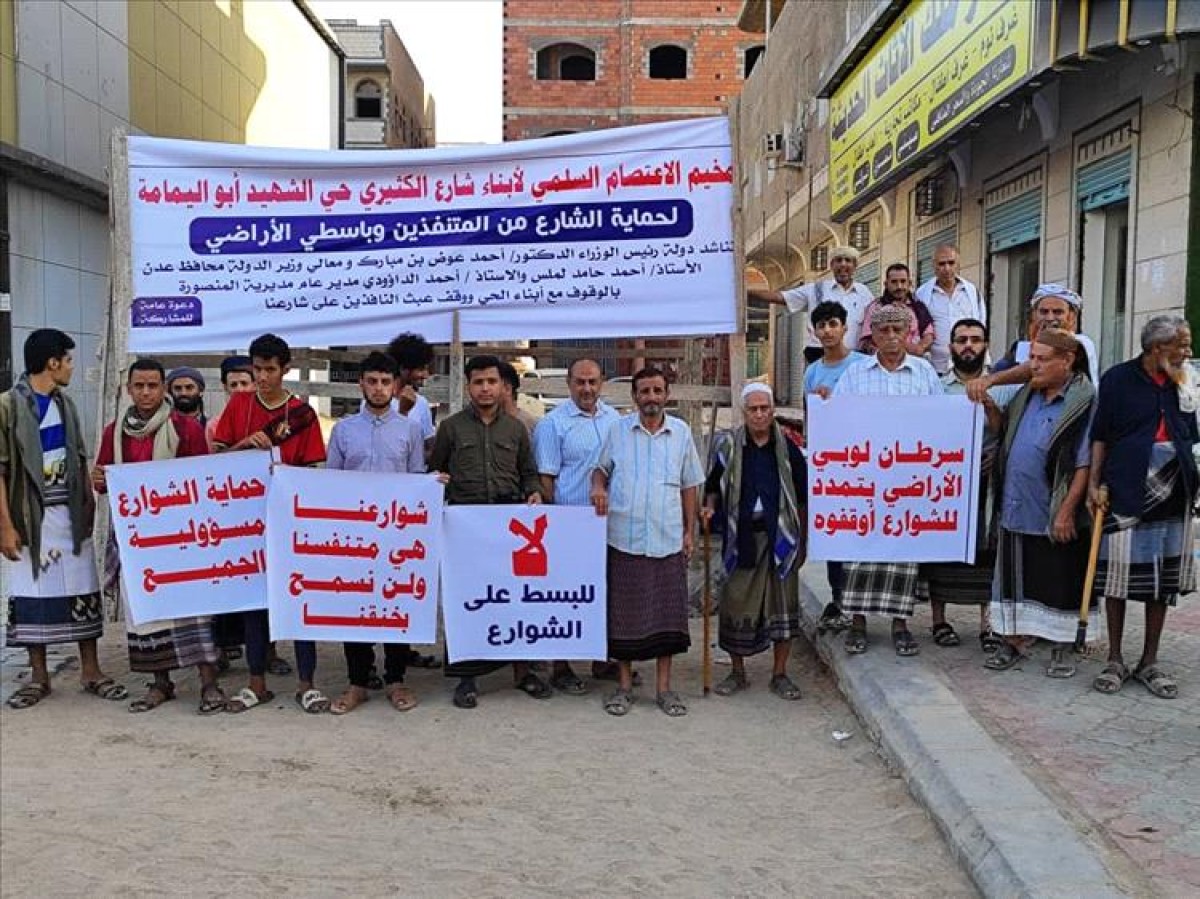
[[958, 583], [185, 386], [414, 357], [1042, 548], [645, 481], [1142, 452], [151, 431], [897, 284]]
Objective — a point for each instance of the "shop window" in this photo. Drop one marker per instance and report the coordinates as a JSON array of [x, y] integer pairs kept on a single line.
[[750, 57], [668, 61], [566, 62], [368, 100]]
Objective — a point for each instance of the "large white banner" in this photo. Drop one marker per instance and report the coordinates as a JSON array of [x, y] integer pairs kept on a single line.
[[604, 234], [893, 479], [191, 534], [529, 583], [354, 555]]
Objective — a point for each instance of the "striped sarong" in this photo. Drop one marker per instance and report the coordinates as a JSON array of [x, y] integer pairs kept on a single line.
[[1038, 588], [176, 644], [62, 605], [647, 606], [758, 608], [882, 588]]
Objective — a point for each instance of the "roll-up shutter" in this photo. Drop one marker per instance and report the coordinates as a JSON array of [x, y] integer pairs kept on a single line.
[[868, 274], [1014, 221], [1104, 181]]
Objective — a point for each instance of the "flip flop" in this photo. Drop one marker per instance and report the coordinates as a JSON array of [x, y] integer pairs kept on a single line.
[[1003, 658], [945, 635], [855, 641], [402, 698], [106, 688], [348, 702], [905, 643], [313, 701], [671, 704], [212, 700], [246, 699], [155, 696], [28, 696], [1157, 682]]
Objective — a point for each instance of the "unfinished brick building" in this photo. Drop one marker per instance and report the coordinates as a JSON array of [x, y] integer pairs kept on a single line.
[[579, 65]]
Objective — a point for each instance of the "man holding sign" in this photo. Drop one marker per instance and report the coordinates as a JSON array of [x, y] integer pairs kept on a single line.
[[272, 417], [885, 588], [489, 459], [152, 430], [645, 481]]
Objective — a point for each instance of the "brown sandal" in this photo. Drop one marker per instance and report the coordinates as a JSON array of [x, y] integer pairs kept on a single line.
[[28, 696], [156, 695], [349, 701], [401, 697]]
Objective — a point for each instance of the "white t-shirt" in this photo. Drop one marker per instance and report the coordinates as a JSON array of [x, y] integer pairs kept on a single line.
[[946, 309], [807, 297]]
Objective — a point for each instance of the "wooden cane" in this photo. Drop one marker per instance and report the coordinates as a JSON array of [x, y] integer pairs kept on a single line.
[[706, 608], [1089, 578]]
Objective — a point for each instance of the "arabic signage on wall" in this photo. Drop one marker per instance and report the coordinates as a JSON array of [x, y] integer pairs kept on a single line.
[[354, 555], [939, 64], [893, 479], [535, 586], [190, 533], [626, 231]]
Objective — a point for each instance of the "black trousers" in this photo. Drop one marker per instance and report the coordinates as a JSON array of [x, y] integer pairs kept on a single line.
[[360, 657]]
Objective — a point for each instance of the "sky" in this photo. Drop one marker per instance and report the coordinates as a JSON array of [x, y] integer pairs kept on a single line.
[[456, 45]]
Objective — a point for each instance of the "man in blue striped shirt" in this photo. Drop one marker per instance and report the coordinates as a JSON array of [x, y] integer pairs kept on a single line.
[[565, 443], [645, 480]]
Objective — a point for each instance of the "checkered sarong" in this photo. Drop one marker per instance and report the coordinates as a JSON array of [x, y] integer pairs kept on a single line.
[[882, 588]]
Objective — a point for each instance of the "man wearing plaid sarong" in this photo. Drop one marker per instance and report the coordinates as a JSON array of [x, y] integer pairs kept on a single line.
[[1144, 476]]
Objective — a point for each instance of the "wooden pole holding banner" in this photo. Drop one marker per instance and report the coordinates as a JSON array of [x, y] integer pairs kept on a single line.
[[456, 366], [706, 607], [114, 347], [737, 340]]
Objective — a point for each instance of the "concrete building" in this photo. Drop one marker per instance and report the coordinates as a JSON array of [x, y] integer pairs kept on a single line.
[[264, 72], [1049, 141], [386, 103], [578, 65]]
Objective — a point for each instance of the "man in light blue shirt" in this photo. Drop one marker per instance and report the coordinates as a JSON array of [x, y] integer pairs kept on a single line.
[[566, 443], [645, 480]]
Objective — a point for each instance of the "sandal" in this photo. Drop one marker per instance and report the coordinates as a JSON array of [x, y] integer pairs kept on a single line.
[[732, 683], [570, 683], [671, 704], [619, 702], [416, 660], [155, 696], [905, 643], [28, 696], [402, 698], [989, 642], [1004, 658], [279, 667], [833, 620], [533, 686], [348, 701], [106, 688], [1060, 667], [1112, 678], [466, 694], [212, 700], [1157, 681], [855, 641], [782, 686], [374, 681], [944, 634], [313, 701], [246, 699]]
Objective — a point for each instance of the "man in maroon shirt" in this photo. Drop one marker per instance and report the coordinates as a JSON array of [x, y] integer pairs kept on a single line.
[[152, 430]]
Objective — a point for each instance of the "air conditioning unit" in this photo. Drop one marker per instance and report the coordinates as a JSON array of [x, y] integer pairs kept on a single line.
[[793, 150], [773, 144]]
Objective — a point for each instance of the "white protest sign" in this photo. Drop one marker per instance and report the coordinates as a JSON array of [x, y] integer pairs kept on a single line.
[[525, 583], [191, 534], [893, 479], [354, 555], [603, 234]]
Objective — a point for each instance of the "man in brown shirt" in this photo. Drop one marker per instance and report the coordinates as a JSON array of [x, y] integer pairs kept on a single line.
[[489, 459]]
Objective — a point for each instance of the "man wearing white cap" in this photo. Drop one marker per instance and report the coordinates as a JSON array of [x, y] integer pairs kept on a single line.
[[842, 288], [1051, 306], [756, 488]]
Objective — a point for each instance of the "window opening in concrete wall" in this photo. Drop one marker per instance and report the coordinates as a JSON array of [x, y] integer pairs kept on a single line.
[[566, 62], [668, 61], [368, 100], [559, 133], [750, 59]]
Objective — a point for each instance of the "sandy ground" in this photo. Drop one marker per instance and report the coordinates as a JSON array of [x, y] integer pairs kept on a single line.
[[746, 796]]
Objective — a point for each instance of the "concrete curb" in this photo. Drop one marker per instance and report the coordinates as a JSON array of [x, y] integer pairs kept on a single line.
[[1008, 835]]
